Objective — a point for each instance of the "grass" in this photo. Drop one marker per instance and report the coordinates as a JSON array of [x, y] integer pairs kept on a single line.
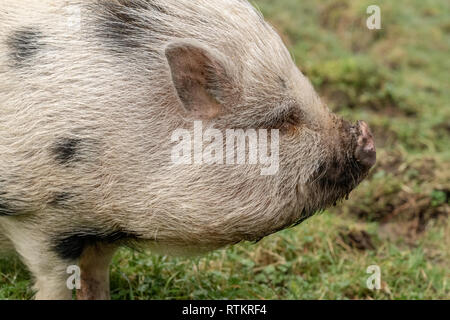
[[396, 78], [311, 263]]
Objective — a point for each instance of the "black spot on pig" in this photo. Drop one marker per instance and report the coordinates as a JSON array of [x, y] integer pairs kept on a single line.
[[5, 209], [12, 207], [65, 150], [122, 24], [24, 44], [5, 206], [61, 199], [70, 246]]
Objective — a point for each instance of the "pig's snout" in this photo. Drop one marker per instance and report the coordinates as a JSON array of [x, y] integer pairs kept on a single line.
[[365, 152]]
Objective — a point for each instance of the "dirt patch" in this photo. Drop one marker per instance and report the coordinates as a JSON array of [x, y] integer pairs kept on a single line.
[[442, 130], [358, 239], [394, 164], [404, 196], [407, 215]]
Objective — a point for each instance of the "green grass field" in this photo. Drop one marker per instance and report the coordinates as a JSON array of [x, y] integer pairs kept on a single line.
[[397, 79]]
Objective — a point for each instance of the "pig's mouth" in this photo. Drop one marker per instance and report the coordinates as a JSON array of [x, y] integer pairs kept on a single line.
[[335, 180], [343, 171]]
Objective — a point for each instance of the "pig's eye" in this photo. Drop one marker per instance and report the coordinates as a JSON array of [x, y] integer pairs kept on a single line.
[[286, 117]]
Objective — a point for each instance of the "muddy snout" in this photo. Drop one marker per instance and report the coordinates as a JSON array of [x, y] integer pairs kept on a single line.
[[365, 152]]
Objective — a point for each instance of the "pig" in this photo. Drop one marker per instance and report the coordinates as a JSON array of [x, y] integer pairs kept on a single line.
[[90, 94]]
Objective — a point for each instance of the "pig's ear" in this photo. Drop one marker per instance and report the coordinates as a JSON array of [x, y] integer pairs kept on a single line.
[[200, 77]]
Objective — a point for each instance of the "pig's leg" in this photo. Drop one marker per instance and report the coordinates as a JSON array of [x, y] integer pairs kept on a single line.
[[49, 271], [50, 286], [35, 248], [94, 263]]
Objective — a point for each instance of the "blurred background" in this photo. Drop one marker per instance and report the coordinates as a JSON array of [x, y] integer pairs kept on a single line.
[[395, 78]]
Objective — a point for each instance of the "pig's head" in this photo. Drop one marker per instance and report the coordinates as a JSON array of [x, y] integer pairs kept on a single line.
[[323, 157], [243, 77]]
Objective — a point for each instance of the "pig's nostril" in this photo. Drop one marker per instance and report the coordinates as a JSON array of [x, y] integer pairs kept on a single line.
[[365, 152]]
